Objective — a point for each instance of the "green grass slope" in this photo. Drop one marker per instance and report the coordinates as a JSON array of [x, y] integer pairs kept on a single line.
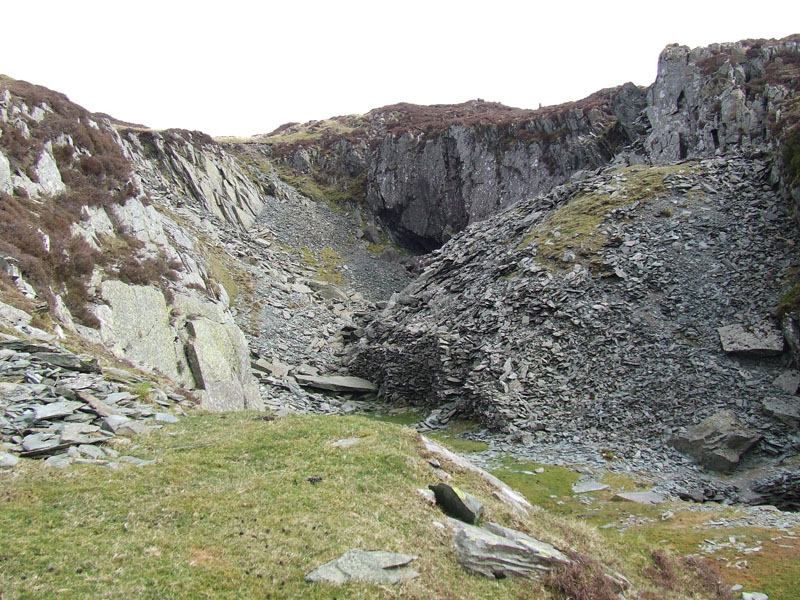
[[230, 511]]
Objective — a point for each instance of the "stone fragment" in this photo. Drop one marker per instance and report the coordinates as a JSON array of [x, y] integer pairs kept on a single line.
[[336, 383], [72, 362], [8, 460], [59, 461], [81, 433], [275, 369], [346, 443], [640, 497], [98, 406], [165, 418], [585, 487], [718, 443], [457, 503], [754, 596], [91, 451], [119, 397], [788, 381], [787, 410], [758, 339], [131, 428], [113, 422], [36, 442], [498, 552], [373, 566], [55, 410]]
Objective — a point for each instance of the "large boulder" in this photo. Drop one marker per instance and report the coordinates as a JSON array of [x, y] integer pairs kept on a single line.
[[498, 552], [457, 503], [759, 339], [718, 443], [220, 363]]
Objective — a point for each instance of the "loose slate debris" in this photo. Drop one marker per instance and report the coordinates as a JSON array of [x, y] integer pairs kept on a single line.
[[457, 503], [51, 406], [562, 362], [374, 566]]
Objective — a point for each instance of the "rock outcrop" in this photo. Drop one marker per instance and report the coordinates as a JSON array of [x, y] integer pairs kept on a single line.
[[724, 96], [92, 219]]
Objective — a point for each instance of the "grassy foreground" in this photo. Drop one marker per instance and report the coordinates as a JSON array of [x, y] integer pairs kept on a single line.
[[242, 507]]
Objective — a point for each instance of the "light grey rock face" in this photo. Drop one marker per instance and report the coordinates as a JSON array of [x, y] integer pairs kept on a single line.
[[220, 362], [700, 102], [5, 175], [184, 167], [718, 443], [134, 324], [497, 552], [360, 565], [759, 339]]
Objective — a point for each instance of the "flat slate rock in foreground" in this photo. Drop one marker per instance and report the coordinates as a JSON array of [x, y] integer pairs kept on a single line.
[[457, 503], [497, 552], [759, 339], [336, 383], [374, 566]]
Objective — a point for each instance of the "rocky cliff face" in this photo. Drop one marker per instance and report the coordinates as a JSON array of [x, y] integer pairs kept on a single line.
[[428, 172], [598, 314], [92, 228], [709, 100], [427, 185]]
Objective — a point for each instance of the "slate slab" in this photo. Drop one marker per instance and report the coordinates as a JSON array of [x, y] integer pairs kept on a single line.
[[374, 566], [336, 383], [788, 381], [640, 497], [8, 460], [585, 487], [787, 411], [70, 362], [55, 410], [759, 339], [496, 551], [346, 443]]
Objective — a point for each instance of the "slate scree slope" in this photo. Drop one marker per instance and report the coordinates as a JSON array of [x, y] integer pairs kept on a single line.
[[616, 274]]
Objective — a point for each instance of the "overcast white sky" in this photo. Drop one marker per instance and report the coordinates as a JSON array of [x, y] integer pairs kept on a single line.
[[244, 67]]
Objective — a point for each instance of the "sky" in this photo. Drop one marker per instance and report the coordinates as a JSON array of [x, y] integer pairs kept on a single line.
[[245, 67]]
